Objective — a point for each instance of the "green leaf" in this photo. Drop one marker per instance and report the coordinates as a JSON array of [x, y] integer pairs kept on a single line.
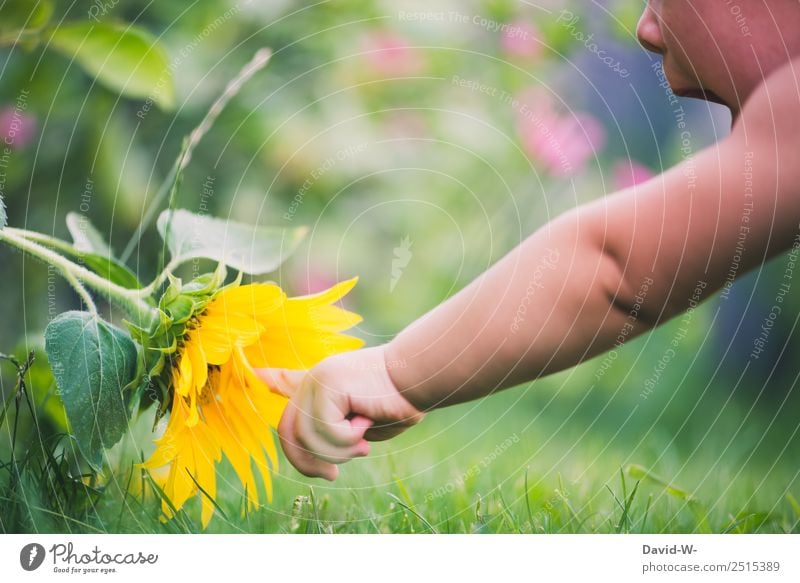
[[89, 247], [3, 214], [111, 269], [105, 266], [124, 58], [92, 361], [638, 472], [253, 250], [19, 15]]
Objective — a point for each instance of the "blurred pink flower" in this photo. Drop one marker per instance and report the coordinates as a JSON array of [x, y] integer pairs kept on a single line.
[[311, 280], [627, 173], [562, 143], [17, 128], [520, 40], [387, 53]]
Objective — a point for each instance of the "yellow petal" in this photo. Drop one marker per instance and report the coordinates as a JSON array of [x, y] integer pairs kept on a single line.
[[299, 348], [216, 347], [331, 295], [220, 423], [193, 417], [252, 300], [184, 380], [194, 351], [230, 324]]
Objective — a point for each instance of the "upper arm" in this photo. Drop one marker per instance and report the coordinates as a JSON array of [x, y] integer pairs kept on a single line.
[[717, 214]]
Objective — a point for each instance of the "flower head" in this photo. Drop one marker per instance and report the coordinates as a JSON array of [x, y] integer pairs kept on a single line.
[[562, 143], [220, 407], [390, 54], [17, 128], [520, 40]]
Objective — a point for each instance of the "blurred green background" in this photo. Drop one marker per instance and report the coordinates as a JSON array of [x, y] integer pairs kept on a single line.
[[420, 143]]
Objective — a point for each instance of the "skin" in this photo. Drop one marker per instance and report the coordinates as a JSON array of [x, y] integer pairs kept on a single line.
[[579, 275], [720, 51]]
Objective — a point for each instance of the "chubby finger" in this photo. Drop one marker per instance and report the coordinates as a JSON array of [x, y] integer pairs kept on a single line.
[[382, 433], [312, 433], [297, 454], [282, 380], [331, 418]]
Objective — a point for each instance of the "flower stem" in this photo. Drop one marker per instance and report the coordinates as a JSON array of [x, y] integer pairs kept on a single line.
[[58, 244], [258, 62], [129, 300], [53, 242], [151, 287], [81, 291]]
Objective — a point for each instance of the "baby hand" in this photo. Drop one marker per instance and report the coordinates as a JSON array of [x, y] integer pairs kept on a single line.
[[336, 408]]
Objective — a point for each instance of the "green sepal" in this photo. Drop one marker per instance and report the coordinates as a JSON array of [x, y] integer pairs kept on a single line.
[[178, 308]]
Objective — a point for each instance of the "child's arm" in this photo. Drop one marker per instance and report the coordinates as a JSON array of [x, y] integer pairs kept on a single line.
[[677, 233], [566, 293]]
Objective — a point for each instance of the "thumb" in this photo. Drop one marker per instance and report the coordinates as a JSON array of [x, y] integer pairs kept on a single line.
[[282, 380]]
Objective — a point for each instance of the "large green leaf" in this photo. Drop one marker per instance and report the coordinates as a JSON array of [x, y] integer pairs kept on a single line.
[[253, 250], [124, 58], [92, 362], [18, 15]]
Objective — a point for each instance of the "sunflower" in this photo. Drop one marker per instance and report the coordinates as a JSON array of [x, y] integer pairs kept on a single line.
[[220, 406]]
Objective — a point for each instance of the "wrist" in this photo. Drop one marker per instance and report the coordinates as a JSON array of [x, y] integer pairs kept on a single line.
[[401, 374]]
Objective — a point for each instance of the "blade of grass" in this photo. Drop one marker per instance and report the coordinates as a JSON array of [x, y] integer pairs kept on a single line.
[[371, 517], [641, 473], [646, 513], [313, 500], [414, 512], [177, 517], [796, 508], [508, 515], [123, 504], [208, 496], [735, 523], [624, 521], [86, 525], [528, 499]]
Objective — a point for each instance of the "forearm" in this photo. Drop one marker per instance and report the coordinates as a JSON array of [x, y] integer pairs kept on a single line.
[[547, 305], [570, 291]]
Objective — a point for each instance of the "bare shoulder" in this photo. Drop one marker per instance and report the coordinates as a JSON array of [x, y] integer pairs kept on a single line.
[[772, 113]]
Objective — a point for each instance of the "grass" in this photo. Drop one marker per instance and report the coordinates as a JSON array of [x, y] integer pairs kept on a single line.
[[521, 462], [568, 454]]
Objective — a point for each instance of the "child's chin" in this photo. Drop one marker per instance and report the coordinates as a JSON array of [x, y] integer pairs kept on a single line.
[[700, 94]]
